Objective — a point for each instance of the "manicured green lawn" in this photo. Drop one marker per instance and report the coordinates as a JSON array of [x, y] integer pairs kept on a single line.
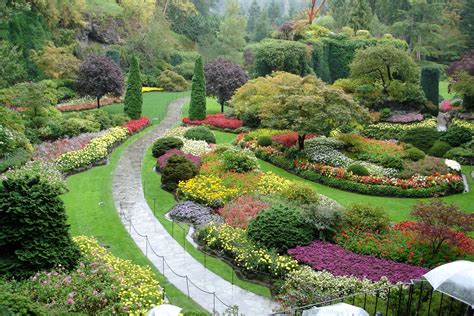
[[153, 104], [397, 208], [91, 211], [443, 90], [212, 107]]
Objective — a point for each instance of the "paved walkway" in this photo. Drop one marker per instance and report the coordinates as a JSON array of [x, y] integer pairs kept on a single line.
[[130, 201]]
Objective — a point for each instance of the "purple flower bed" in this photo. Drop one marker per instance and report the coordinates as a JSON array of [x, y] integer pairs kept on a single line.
[[163, 159], [405, 118], [193, 213], [339, 261]]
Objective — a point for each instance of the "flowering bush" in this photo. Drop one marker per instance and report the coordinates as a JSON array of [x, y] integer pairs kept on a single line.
[[136, 286], [445, 106], [47, 171], [96, 150], [328, 156], [289, 139], [306, 286], [233, 242], [163, 159], [193, 213], [52, 150], [391, 130], [195, 147], [270, 183], [405, 118], [339, 261], [239, 160], [134, 126], [216, 120], [208, 190], [239, 212]]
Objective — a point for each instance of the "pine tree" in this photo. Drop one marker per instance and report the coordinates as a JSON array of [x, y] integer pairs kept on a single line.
[[467, 23], [360, 15], [197, 107], [274, 12], [133, 96], [253, 18]]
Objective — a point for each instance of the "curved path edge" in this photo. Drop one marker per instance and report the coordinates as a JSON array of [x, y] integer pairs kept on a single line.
[[131, 204]]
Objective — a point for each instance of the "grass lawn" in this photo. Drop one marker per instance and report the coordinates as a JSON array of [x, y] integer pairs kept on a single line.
[[108, 7], [91, 211], [212, 107], [397, 208], [443, 90], [153, 104]]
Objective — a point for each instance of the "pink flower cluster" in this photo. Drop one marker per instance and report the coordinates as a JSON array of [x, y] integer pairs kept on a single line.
[[342, 262], [52, 150], [134, 126], [217, 120], [445, 106], [405, 118], [163, 159], [84, 105]]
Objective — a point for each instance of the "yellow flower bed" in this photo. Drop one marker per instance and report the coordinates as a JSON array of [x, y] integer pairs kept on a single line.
[[150, 89], [463, 123], [233, 242], [426, 123], [139, 291], [270, 183], [96, 150], [206, 189]]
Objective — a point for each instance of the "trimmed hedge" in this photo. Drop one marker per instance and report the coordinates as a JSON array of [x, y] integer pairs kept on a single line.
[[162, 145], [430, 83], [200, 133], [421, 137]]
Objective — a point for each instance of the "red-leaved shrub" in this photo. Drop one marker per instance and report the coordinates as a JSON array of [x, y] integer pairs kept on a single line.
[[289, 139], [163, 159], [217, 120], [242, 210], [134, 126]]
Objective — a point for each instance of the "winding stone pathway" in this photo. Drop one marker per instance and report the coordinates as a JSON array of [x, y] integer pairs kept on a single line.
[[130, 202]]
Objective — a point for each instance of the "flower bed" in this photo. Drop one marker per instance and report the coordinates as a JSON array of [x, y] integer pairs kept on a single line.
[[239, 212], [163, 159], [193, 213], [96, 150], [207, 190], [135, 126], [233, 242], [393, 130], [151, 89], [405, 118], [84, 105], [341, 262], [52, 150], [217, 120]]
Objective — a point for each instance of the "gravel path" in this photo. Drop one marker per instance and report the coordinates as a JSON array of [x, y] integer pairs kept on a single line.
[[188, 273]]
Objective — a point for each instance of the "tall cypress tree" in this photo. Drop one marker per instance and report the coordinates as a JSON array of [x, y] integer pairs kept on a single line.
[[197, 107], [360, 15], [133, 96]]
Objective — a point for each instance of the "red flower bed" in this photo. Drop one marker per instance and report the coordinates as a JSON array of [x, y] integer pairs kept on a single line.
[[289, 139], [134, 126], [84, 106], [217, 120]]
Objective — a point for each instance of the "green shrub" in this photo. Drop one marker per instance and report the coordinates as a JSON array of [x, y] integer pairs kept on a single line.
[[457, 135], [239, 160], [200, 133], [367, 217], [178, 168], [102, 117], [221, 148], [14, 159], [430, 83], [385, 113], [392, 162], [34, 235], [425, 167], [300, 193], [118, 119], [186, 70], [280, 227], [250, 119], [171, 81], [460, 154], [264, 141], [75, 126], [421, 137], [160, 146], [13, 303], [439, 148], [358, 170], [326, 217], [414, 154]]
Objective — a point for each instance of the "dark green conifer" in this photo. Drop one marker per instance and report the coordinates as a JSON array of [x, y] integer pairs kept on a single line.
[[197, 107], [133, 96]]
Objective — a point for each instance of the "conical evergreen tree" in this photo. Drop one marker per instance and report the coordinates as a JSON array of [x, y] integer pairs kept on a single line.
[[197, 107], [360, 15], [133, 96]]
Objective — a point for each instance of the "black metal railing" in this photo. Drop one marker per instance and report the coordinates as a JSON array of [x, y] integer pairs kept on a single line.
[[416, 298]]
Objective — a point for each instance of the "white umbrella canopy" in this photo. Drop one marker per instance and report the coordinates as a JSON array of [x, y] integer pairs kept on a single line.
[[164, 310], [455, 279], [339, 309]]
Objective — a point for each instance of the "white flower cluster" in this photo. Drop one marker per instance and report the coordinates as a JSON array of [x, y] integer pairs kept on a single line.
[[328, 156], [452, 164], [379, 171], [195, 147], [176, 132]]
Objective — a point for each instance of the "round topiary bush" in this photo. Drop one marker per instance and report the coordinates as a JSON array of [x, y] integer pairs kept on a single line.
[[200, 133], [162, 145], [178, 168], [367, 217], [392, 162], [439, 148], [421, 137], [358, 169], [457, 135], [171, 81], [264, 141], [300, 193], [414, 154], [239, 160], [280, 227]]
